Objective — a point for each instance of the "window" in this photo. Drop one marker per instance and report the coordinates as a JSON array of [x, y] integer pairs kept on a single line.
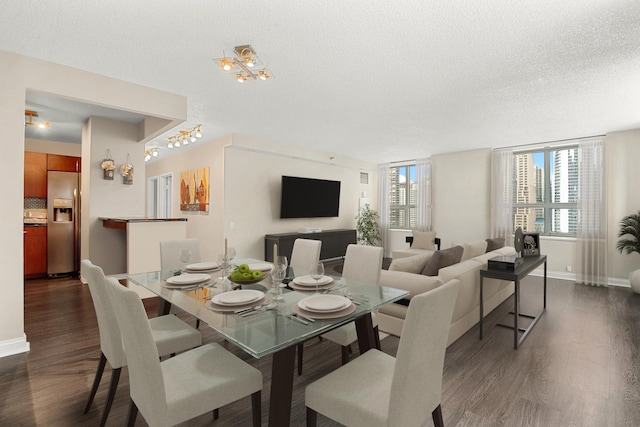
[[545, 186], [402, 196]]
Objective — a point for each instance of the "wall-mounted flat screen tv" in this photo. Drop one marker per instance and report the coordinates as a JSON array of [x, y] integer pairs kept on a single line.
[[309, 198]]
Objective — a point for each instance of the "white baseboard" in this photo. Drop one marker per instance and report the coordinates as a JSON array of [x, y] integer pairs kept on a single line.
[[562, 275], [14, 346]]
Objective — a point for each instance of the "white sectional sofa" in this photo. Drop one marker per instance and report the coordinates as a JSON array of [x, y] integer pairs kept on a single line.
[[467, 309]]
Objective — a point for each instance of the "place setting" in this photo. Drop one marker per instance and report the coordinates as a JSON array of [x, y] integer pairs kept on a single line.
[[307, 283], [187, 281], [202, 267], [238, 301], [324, 306]]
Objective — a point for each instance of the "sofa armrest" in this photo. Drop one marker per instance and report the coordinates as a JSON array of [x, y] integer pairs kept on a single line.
[[436, 241], [415, 284]]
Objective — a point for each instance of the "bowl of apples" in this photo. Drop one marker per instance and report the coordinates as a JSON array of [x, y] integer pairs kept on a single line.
[[243, 275]]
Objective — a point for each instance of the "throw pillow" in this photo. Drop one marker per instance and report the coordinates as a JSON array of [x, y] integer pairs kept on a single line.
[[423, 240], [473, 249], [441, 259], [411, 264], [495, 243]]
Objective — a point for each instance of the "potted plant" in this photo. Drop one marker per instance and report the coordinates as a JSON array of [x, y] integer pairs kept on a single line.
[[630, 226], [367, 226]]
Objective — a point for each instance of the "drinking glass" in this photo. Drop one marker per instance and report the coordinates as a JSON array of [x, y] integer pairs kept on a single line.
[[223, 262], [317, 272], [185, 256], [278, 271], [231, 254]]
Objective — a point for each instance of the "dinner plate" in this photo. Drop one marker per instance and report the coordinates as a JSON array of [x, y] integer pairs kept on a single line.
[[309, 281], [295, 286], [324, 303], [332, 315], [231, 308], [262, 266], [239, 297], [188, 279], [202, 266]]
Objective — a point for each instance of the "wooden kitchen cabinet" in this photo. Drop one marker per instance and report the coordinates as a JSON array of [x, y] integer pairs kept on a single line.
[[56, 162], [35, 251], [35, 174]]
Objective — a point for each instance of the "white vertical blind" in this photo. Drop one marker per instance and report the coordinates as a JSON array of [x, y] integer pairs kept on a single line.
[[384, 172], [591, 234], [502, 194], [423, 196]]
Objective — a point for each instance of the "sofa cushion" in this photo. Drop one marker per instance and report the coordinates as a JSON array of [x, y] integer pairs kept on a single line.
[[472, 249], [412, 264], [415, 284], [495, 243], [441, 259], [423, 240]]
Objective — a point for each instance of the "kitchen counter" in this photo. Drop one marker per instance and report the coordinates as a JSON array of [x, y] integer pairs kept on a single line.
[[121, 223]]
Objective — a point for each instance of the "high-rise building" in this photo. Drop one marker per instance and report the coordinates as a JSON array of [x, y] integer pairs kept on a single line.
[[565, 189], [526, 191]]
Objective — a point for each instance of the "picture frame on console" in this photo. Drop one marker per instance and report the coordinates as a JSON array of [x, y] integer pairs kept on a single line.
[[531, 244]]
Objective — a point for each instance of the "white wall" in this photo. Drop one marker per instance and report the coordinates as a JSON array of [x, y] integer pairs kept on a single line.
[[623, 176], [106, 247], [461, 196], [206, 226], [20, 74], [53, 147], [253, 171]]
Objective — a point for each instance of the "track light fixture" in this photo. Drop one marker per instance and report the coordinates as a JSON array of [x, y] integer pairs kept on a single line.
[[184, 137], [148, 154], [245, 65], [29, 121]]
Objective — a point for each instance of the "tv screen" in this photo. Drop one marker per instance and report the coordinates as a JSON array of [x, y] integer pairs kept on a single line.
[[309, 198]]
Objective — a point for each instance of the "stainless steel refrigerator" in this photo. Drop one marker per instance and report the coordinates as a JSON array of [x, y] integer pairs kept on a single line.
[[63, 226]]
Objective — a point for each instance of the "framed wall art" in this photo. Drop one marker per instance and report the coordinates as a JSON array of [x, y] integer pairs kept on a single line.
[[194, 190]]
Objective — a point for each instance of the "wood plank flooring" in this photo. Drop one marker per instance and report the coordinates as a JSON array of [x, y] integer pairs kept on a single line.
[[578, 367]]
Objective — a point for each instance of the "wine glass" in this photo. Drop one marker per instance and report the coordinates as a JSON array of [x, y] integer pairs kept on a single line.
[[317, 272], [231, 254], [185, 256], [223, 262], [278, 272]]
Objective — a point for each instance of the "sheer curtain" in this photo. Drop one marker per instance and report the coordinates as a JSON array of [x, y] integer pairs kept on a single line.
[[591, 235], [384, 174], [423, 196], [502, 194]]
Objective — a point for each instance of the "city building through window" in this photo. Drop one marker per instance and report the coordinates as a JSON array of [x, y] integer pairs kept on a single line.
[[402, 196]]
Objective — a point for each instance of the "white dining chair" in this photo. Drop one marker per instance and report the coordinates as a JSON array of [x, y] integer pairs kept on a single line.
[[377, 389], [362, 264], [170, 335], [176, 255], [305, 253], [188, 385]]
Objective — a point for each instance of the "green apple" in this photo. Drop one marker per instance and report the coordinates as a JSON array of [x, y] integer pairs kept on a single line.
[[236, 275], [246, 276], [244, 268], [257, 275]]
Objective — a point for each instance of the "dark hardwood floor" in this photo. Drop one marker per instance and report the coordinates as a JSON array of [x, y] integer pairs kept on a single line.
[[578, 367]]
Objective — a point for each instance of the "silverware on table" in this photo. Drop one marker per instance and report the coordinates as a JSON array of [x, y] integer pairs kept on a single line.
[[297, 319], [302, 316]]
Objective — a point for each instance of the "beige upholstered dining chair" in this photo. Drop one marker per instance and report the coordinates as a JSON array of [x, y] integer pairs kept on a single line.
[[305, 253], [361, 264], [379, 390], [185, 386], [176, 255], [169, 334]]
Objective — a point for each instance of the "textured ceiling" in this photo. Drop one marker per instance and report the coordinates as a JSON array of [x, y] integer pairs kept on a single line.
[[376, 80]]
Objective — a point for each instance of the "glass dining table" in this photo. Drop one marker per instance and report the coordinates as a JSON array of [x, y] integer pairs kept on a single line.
[[275, 331]]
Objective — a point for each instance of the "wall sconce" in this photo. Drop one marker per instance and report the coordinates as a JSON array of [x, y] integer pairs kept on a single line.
[[243, 65]]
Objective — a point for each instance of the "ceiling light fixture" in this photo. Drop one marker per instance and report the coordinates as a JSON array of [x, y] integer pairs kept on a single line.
[[149, 154], [184, 137], [245, 65], [29, 121]]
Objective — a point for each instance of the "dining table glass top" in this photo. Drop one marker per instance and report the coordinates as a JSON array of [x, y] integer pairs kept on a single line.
[[272, 327]]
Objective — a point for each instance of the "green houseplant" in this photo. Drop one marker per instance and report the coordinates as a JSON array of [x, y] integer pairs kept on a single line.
[[367, 226], [629, 243]]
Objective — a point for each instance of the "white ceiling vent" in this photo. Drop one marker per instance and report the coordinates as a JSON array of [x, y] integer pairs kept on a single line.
[[364, 178]]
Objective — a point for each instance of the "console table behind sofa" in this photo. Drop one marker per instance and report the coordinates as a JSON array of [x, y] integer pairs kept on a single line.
[[334, 243]]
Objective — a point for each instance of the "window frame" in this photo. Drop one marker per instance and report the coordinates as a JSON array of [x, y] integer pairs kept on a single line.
[[407, 207], [546, 204]]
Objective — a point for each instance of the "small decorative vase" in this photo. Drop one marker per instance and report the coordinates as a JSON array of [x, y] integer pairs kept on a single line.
[[634, 281], [107, 174]]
